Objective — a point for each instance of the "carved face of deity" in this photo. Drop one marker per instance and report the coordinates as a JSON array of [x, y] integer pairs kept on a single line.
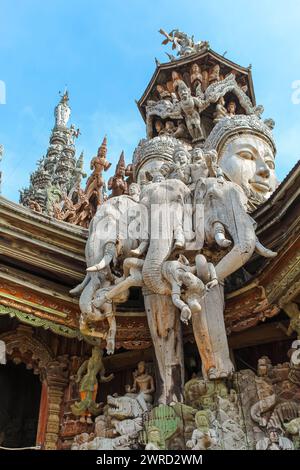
[[197, 155], [181, 158], [231, 108], [262, 369], [141, 367], [274, 436], [134, 189], [184, 93], [154, 435], [96, 353], [248, 160], [201, 420], [158, 126], [170, 127]]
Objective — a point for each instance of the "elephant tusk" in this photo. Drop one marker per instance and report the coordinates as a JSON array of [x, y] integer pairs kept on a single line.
[[220, 238], [263, 251]]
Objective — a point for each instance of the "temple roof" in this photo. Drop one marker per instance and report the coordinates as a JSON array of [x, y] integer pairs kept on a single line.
[[205, 59]]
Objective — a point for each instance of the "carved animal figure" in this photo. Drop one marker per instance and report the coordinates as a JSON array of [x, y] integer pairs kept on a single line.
[[225, 209], [126, 407], [108, 238]]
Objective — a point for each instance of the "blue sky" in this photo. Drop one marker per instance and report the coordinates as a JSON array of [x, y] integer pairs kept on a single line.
[[104, 52]]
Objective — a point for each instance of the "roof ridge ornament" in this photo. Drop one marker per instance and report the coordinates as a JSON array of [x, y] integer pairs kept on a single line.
[[182, 43]]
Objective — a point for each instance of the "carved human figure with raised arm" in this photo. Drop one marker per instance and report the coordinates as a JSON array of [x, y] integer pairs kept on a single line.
[[191, 108]]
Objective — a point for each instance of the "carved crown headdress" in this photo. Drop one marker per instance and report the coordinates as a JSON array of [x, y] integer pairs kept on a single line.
[[229, 127], [159, 147]]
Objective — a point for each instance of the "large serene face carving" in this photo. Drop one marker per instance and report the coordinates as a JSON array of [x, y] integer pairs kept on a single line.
[[248, 160]]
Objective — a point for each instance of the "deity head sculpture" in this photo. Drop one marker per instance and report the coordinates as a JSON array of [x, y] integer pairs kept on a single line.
[[158, 126], [181, 156], [263, 366], [246, 151], [183, 90], [201, 419], [196, 73], [170, 127], [154, 435], [151, 154], [134, 190], [231, 108], [141, 368], [197, 155]]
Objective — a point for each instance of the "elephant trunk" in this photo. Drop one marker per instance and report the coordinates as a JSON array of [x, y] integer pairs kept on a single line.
[[109, 253], [87, 295], [158, 252], [78, 289]]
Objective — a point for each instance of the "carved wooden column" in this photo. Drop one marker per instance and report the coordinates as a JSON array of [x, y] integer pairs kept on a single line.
[[57, 380], [165, 329]]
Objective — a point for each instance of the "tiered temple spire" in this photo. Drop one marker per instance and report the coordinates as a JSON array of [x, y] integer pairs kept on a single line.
[[59, 173]]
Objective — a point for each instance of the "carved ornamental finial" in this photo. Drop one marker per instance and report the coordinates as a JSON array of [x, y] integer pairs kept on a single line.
[[182, 43]]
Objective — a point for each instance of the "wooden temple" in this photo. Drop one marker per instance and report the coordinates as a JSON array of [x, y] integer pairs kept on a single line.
[[42, 257]]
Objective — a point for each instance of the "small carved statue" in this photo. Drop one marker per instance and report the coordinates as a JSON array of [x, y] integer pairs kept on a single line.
[[294, 353], [163, 93], [169, 128], [189, 106], [180, 169], [62, 111], [88, 385], [293, 428], [196, 77], [274, 441], [203, 438], [80, 441], [96, 182], [73, 134], [159, 127], [154, 439], [143, 382], [179, 274], [198, 168], [134, 191], [221, 111], [265, 391], [117, 183], [231, 108], [214, 74]]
